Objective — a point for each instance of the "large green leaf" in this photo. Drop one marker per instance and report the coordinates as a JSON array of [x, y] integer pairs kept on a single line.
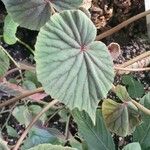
[[33, 14], [97, 137], [120, 118], [51, 147], [10, 29], [4, 62], [60, 5], [70, 65], [132, 146], [142, 132]]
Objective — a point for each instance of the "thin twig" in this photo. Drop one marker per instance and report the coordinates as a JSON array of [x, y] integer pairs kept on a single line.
[[32, 123], [141, 107], [132, 69], [122, 25], [26, 45], [138, 58], [67, 128], [26, 94], [8, 118]]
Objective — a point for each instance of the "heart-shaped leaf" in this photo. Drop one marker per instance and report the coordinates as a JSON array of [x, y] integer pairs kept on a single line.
[[97, 137], [33, 14], [70, 65], [120, 118], [4, 62], [10, 29], [51, 147], [142, 132]]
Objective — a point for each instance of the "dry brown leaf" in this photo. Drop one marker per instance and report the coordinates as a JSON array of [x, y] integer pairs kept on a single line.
[[86, 4], [115, 50]]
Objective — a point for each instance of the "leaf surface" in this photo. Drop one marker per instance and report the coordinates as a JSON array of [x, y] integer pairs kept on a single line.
[[71, 66], [97, 137], [134, 87], [33, 14], [142, 132], [51, 147], [132, 146], [120, 118], [10, 29], [38, 136]]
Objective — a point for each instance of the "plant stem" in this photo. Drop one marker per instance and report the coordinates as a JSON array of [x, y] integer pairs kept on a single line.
[[138, 58], [10, 57], [26, 94], [141, 107], [122, 25], [32, 123], [26, 45], [132, 69]]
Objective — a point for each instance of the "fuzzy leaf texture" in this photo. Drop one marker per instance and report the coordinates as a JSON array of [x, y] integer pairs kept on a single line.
[[120, 118], [132, 146], [33, 14], [4, 62], [71, 66], [51, 147]]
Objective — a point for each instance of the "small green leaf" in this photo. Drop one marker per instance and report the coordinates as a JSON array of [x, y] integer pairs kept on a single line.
[[33, 14], [133, 146], [51, 147], [3, 145], [10, 29], [25, 114], [134, 87], [29, 85], [38, 136], [120, 118], [4, 62], [71, 66], [122, 93], [11, 131], [142, 132], [97, 137]]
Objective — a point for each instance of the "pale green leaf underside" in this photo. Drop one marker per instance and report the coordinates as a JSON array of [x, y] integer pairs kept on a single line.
[[33, 14], [4, 62], [66, 4], [51, 147], [120, 118], [96, 136], [70, 65], [10, 29], [132, 146]]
